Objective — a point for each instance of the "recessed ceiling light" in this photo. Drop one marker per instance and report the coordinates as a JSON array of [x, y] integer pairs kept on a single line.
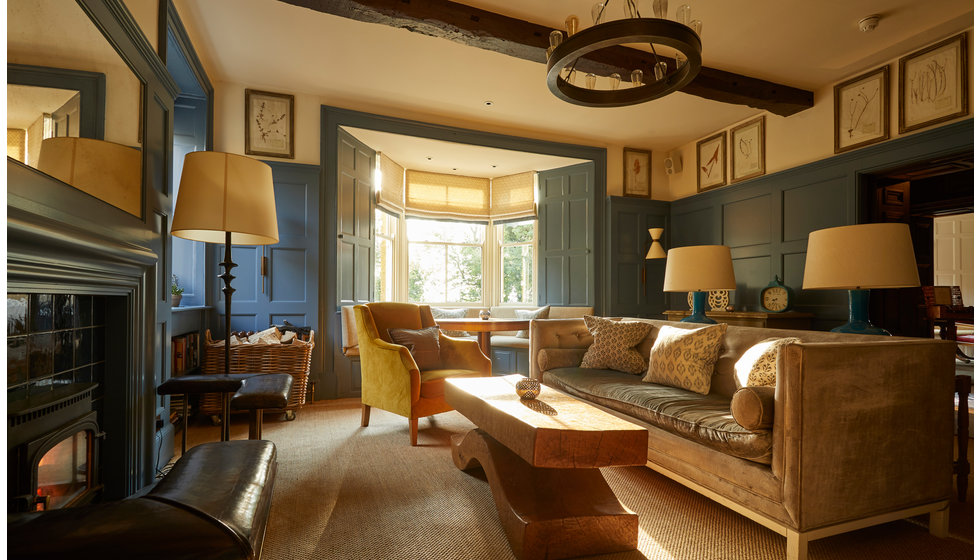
[[429, 158], [488, 103]]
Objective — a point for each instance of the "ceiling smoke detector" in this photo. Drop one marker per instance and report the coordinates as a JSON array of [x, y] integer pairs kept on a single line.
[[869, 23]]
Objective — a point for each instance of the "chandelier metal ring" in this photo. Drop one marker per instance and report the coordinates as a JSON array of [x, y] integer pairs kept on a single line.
[[654, 31]]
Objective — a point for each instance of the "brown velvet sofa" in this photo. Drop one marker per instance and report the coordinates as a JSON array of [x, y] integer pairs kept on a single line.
[[861, 426]]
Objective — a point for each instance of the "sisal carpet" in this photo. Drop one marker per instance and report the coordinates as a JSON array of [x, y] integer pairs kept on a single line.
[[346, 492]]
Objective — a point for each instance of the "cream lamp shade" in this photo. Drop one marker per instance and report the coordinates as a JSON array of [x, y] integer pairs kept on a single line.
[[860, 257], [699, 268], [656, 249], [221, 193], [105, 170]]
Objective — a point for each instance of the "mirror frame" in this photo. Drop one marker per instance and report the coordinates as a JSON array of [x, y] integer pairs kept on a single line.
[[90, 85]]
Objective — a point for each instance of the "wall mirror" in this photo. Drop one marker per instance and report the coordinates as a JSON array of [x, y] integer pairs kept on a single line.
[[64, 80]]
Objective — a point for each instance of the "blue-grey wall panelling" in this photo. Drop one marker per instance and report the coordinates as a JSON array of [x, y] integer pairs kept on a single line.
[[355, 220], [767, 220], [635, 285]]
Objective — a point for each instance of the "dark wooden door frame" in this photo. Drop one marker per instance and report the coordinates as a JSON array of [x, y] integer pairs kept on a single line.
[[332, 118]]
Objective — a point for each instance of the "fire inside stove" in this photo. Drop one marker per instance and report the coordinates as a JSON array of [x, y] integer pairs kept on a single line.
[[63, 472]]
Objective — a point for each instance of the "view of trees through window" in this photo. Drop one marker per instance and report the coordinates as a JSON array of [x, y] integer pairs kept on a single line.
[[385, 229], [517, 262], [445, 261]]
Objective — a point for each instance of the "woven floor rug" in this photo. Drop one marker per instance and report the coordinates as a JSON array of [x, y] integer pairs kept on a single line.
[[346, 492]]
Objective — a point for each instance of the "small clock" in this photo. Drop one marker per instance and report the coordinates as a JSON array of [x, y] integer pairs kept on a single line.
[[776, 297]]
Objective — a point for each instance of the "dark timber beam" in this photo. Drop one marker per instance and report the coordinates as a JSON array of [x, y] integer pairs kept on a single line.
[[529, 41]]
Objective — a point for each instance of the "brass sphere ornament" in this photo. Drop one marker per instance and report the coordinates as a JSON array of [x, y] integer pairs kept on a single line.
[[528, 389]]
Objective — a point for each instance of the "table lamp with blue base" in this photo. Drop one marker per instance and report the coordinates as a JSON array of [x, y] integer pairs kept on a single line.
[[699, 269], [859, 258]]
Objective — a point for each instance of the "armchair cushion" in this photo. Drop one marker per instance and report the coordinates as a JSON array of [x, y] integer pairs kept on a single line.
[[422, 343]]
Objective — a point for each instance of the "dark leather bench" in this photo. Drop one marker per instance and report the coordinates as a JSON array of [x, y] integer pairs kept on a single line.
[[214, 504]]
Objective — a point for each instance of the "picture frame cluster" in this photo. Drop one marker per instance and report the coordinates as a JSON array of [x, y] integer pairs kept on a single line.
[[933, 88], [747, 153]]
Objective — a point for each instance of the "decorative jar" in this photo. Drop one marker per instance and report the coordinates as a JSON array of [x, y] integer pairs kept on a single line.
[[528, 388]]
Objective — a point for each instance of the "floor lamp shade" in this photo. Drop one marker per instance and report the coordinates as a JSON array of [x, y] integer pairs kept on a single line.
[[225, 193], [699, 269], [860, 257], [106, 170]]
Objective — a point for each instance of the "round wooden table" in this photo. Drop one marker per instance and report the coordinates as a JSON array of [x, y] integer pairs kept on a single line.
[[483, 327]]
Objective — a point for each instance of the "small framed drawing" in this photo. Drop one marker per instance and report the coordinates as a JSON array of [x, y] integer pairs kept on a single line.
[[861, 110], [636, 172], [711, 162], [268, 124], [933, 85], [749, 149]]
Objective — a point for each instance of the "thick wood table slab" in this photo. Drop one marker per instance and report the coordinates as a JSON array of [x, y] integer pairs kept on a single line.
[[541, 458]]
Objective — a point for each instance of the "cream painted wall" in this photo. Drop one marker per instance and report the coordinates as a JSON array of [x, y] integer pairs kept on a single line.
[[804, 137], [146, 13], [229, 129]]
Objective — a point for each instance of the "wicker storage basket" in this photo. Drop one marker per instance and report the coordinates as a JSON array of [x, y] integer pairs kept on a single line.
[[293, 359]]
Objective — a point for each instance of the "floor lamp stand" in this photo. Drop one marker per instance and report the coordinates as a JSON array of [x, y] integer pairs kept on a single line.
[[227, 264]]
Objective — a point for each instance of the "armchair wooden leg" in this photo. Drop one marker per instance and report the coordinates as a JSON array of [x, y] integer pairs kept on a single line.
[[413, 430], [365, 415]]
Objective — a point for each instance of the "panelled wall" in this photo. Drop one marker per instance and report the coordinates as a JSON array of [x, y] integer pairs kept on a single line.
[[767, 221], [635, 284]]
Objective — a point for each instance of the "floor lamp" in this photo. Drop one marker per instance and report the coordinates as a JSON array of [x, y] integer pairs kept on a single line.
[[226, 198], [858, 258], [699, 269]]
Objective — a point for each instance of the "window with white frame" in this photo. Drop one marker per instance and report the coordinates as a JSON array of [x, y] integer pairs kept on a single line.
[[516, 263], [445, 261], [385, 264]]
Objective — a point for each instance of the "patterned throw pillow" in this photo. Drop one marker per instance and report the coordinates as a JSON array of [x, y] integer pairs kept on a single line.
[[757, 366], [540, 313], [422, 343], [615, 344], [685, 358], [442, 313]]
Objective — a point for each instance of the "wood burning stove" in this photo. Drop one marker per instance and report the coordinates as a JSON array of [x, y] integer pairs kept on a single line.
[[53, 449]]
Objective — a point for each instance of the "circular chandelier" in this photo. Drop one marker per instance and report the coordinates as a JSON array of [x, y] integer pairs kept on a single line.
[[673, 67]]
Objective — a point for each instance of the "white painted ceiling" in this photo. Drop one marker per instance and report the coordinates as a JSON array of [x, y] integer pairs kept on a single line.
[[26, 104], [812, 45]]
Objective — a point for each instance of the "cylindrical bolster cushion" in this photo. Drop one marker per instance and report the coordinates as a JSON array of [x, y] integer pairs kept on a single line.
[[753, 407], [551, 358]]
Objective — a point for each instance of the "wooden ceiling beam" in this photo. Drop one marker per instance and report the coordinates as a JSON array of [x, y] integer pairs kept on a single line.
[[529, 41]]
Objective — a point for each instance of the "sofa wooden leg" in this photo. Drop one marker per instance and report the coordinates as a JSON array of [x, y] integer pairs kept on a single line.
[[796, 545], [413, 430], [365, 415], [939, 523]]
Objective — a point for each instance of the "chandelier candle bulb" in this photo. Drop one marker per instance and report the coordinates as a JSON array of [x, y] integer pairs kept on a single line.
[[696, 26], [571, 25], [590, 80], [684, 14], [660, 9], [614, 81], [598, 11], [660, 70], [636, 77]]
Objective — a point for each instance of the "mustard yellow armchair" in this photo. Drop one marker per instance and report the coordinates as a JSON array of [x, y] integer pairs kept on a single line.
[[390, 378]]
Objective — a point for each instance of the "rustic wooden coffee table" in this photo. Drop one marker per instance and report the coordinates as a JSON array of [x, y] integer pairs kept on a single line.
[[542, 460]]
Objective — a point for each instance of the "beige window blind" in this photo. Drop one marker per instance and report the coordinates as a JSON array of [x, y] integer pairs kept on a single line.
[[390, 197], [437, 195], [512, 196]]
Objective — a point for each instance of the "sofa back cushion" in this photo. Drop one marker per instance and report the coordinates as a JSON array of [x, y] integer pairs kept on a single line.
[[614, 345], [685, 358]]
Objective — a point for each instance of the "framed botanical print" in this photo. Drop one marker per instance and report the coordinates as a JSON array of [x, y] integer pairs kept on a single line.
[[749, 149], [933, 84], [636, 172], [268, 124], [861, 111], [711, 162]]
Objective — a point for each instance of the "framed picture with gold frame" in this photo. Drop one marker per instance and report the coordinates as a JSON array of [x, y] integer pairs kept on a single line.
[[636, 172], [749, 149], [933, 84], [711, 162], [861, 110], [268, 124]]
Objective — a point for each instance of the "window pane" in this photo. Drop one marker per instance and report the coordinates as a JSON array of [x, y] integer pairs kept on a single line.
[[518, 274], [426, 273], [447, 232], [384, 270], [518, 232], [464, 277]]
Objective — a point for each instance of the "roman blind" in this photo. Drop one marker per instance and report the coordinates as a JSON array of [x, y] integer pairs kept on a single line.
[[437, 195], [390, 196], [512, 196]]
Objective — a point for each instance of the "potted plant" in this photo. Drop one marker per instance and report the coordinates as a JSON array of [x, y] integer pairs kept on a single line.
[[176, 292]]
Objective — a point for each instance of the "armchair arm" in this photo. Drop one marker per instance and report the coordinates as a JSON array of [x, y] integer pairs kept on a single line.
[[862, 428], [390, 378], [463, 354]]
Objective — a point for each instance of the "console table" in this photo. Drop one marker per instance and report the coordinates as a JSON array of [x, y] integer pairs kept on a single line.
[[786, 320]]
